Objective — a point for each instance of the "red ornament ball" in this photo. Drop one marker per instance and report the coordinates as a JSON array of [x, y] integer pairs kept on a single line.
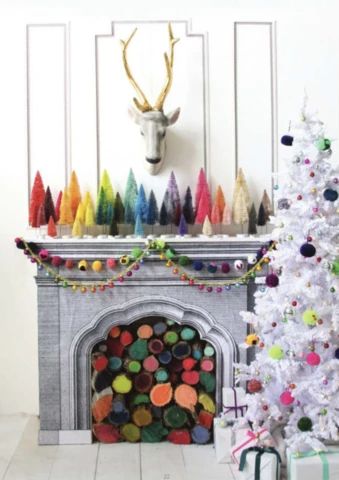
[[326, 345], [299, 197], [265, 407], [286, 398], [320, 321], [274, 324], [309, 238], [43, 254], [312, 174], [111, 263], [56, 261], [69, 264], [313, 359], [294, 303], [254, 386]]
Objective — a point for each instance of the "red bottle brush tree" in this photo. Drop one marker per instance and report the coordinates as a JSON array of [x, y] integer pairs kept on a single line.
[[36, 198], [204, 207], [201, 186], [51, 228], [58, 206]]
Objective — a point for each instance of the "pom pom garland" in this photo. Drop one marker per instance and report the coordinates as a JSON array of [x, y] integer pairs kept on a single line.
[[336, 354], [56, 261], [43, 254], [252, 339], [198, 265], [111, 263], [212, 268], [239, 265]]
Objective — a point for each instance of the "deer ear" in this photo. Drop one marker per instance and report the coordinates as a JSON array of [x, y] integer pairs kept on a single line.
[[134, 114], [172, 117]]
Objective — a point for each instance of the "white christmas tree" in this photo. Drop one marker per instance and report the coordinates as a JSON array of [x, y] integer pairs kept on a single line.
[[294, 380]]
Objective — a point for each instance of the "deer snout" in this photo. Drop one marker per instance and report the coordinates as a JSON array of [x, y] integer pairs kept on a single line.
[[153, 161]]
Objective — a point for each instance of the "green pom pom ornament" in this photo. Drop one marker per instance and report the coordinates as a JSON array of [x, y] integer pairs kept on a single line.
[[169, 254], [183, 260], [335, 267], [323, 144], [305, 424], [136, 253], [310, 317], [276, 352]]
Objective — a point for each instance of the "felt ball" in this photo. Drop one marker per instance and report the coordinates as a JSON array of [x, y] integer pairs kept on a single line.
[[254, 386], [97, 266], [225, 267], [323, 144], [83, 265], [239, 265], [124, 260], [111, 263], [330, 195], [286, 398], [56, 261], [310, 317], [313, 359], [307, 250], [252, 339], [69, 263], [272, 280], [287, 140], [184, 260], [276, 352], [19, 244], [43, 254], [336, 354], [136, 252], [305, 424], [251, 259], [212, 267], [170, 254], [198, 265]]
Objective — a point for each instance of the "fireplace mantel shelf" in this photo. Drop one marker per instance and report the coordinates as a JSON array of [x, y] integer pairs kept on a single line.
[[196, 247]]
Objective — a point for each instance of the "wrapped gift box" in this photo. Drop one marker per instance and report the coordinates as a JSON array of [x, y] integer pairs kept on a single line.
[[234, 402], [268, 463], [247, 438], [314, 465], [224, 439]]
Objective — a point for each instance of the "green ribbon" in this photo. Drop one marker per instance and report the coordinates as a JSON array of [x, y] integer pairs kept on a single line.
[[260, 451], [312, 453]]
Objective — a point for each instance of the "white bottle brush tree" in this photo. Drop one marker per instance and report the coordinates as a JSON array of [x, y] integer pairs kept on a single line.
[[294, 380]]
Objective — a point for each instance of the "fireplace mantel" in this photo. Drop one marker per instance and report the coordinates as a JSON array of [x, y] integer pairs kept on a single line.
[[70, 323]]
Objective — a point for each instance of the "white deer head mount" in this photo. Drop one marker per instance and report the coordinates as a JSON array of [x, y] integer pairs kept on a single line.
[[151, 119]]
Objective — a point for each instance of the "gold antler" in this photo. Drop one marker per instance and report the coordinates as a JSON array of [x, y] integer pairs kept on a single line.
[[145, 106], [169, 68]]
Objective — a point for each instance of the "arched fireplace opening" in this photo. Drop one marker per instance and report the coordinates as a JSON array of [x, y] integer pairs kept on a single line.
[[153, 380]]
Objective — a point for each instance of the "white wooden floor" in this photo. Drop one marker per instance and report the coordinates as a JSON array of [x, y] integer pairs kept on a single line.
[[22, 459]]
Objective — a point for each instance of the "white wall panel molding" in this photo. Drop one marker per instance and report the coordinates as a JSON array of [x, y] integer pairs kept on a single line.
[[48, 147], [255, 93], [119, 145]]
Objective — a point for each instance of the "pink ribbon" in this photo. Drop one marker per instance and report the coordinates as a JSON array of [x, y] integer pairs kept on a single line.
[[252, 437]]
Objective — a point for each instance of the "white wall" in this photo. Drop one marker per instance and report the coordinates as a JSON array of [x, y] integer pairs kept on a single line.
[[279, 52]]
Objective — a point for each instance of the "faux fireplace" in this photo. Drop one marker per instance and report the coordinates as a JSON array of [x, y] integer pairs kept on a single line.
[[70, 324]]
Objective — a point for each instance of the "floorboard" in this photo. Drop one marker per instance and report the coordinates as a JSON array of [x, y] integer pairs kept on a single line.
[[11, 429], [75, 461], [162, 461], [119, 461]]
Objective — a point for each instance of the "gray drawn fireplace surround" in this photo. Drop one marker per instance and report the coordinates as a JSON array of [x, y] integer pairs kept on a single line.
[[71, 323]]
